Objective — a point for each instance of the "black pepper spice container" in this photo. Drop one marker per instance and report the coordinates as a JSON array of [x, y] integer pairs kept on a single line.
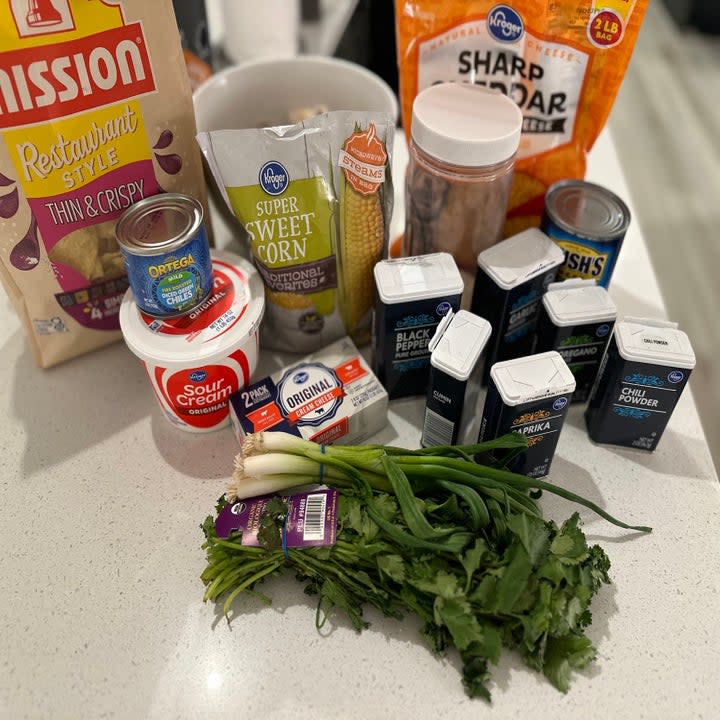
[[414, 294]]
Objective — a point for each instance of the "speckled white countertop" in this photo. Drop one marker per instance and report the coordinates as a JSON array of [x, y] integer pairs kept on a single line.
[[100, 602]]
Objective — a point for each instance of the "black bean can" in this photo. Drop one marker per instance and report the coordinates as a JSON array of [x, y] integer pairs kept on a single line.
[[530, 396], [511, 279], [588, 222], [413, 295], [576, 319], [644, 372]]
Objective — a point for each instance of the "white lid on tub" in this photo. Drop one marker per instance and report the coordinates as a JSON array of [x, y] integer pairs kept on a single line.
[[577, 301], [654, 341], [466, 125], [532, 378], [224, 320], [417, 278], [521, 257], [458, 343]]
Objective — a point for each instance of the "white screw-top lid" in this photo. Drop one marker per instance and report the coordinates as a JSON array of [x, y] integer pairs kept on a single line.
[[576, 301], [466, 125]]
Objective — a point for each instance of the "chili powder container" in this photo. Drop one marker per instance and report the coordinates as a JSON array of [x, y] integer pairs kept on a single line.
[[167, 255], [644, 372], [511, 279], [455, 350], [576, 319], [529, 395], [589, 223], [414, 294]]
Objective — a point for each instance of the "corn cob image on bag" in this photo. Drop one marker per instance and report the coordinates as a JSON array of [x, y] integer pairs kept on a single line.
[[315, 199], [95, 114]]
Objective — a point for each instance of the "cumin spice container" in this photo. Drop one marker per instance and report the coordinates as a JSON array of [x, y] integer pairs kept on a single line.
[[464, 139]]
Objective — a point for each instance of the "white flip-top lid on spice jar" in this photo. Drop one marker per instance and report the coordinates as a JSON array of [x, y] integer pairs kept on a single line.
[[577, 301], [418, 277], [466, 125], [227, 319], [458, 343], [532, 377], [520, 258]]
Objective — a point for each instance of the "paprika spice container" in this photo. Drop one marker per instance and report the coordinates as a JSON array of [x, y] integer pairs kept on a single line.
[[464, 139]]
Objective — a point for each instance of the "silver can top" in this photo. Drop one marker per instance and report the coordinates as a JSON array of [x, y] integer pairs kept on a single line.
[[587, 210], [159, 224]]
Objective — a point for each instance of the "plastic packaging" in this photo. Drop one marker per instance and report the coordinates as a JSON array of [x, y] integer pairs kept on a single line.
[[462, 153]]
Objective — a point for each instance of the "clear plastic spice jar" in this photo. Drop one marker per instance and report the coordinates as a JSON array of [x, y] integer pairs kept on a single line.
[[464, 139]]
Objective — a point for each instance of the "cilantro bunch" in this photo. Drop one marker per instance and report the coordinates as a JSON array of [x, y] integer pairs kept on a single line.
[[432, 532]]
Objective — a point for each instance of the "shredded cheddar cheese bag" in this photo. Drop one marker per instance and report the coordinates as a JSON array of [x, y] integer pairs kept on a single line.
[[95, 114], [562, 62]]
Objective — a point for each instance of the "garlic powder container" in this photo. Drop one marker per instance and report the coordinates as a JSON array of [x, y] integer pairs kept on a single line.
[[197, 361]]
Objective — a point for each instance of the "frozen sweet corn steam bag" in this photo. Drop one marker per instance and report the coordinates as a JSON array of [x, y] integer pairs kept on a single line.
[[95, 114], [562, 62], [315, 199]]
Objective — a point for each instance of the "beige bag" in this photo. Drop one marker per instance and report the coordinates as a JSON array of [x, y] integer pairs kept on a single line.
[[95, 114]]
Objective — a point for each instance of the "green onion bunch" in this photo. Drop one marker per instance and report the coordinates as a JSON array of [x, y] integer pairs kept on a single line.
[[461, 544]]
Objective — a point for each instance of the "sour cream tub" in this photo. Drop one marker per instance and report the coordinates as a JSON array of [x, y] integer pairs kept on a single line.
[[197, 361]]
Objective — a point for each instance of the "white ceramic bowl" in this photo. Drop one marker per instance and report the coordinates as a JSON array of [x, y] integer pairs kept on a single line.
[[263, 92]]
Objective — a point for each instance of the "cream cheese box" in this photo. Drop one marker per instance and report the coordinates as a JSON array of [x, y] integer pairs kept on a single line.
[[329, 396]]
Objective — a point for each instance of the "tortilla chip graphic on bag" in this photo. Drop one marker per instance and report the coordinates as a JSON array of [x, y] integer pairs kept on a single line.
[[92, 252]]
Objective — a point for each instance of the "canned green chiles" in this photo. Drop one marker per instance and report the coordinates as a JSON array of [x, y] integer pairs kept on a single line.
[[166, 251]]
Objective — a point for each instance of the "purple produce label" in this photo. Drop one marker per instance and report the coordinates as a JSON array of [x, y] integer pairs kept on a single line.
[[311, 518]]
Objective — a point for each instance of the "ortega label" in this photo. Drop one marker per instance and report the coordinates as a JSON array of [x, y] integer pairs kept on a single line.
[[309, 394], [219, 312]]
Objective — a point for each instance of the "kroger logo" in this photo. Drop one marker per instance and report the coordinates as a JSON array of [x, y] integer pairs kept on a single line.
[[198, 375], [442, 309], [675, 376], [602, 331], [273, 178], [504, 24], [300, 378], [560, 403]]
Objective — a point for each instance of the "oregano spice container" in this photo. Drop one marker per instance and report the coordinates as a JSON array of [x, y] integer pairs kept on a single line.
[[464, 139]]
